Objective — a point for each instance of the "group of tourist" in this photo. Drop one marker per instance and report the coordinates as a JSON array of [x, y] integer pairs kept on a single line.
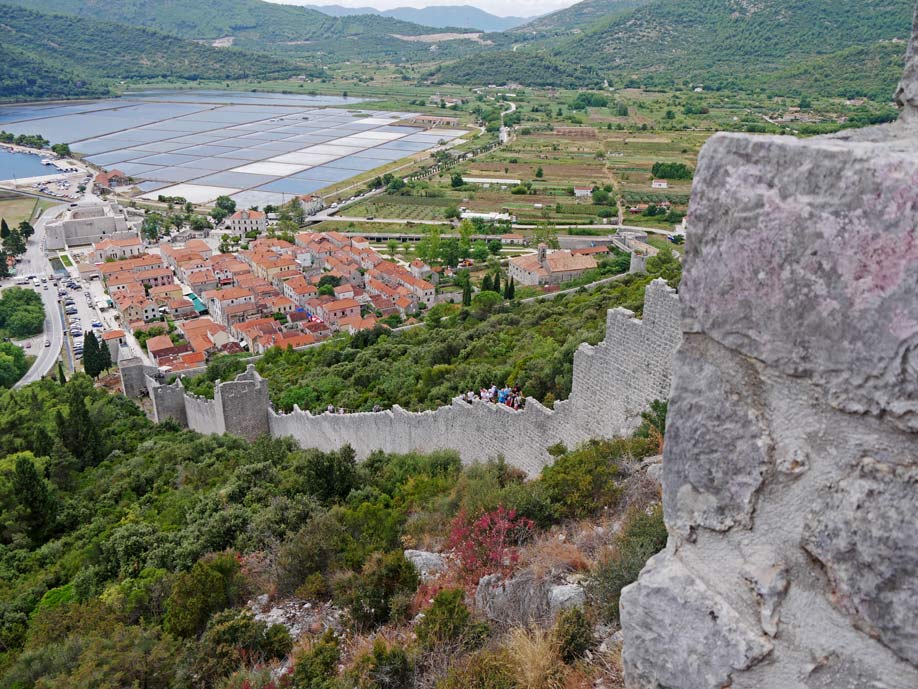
[[511, 397]]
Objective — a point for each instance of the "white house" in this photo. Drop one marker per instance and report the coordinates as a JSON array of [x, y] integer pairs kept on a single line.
[[247, 221], [660, 184]]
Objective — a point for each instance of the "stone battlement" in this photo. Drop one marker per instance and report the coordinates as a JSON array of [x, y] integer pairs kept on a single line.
[[613, 383]]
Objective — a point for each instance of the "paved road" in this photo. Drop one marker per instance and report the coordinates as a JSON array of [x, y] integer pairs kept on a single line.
[[34, 262]]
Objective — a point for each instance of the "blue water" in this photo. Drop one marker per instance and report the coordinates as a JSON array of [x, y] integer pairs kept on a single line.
[[19, 165]]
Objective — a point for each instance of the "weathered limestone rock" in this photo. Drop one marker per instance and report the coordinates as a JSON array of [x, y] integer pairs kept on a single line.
[[519, 600], [790, 472], [703, 645], [564, 596], [429, 565], [862, 532]]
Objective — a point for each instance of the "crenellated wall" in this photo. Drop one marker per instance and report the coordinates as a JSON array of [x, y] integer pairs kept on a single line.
[[790, 470], [613, 383]]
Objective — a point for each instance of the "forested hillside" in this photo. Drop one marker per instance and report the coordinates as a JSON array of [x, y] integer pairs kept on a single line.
[[578, 17], [734, 43], [853, 47], [25, 77], [260, 26], [99, 50]]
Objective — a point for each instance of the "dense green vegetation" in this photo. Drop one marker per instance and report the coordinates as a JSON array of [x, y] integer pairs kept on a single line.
[[490, 342], [29, 77], [21, 313], [579, 16], [721, 44], [55, 47], [847, 48], [263, 27], [128, 550], [13, 364]]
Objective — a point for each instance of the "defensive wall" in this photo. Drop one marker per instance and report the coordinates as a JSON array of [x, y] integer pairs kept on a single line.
[[613, 383], [790, 470]]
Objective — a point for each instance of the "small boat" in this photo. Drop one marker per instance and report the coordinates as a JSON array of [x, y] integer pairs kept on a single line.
[[46, 161]]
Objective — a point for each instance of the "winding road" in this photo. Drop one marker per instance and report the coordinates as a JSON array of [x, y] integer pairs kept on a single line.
[[34, 262]]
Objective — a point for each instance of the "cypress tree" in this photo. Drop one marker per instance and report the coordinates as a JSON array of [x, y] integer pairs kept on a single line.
[[467, 294], [77, 430], [486, 283], [61, 377], [4, 229], [105, 356], [91, 363], [496, 283], [511, 289]]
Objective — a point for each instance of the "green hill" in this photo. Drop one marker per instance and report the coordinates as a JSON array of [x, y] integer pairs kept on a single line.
[[28, 78], [725, 43], [578, 17], [264, 27], [818, 47], [62, 56]]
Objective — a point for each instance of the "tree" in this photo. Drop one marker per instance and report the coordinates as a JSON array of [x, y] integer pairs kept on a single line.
[[486, 284], [495, 246], [105, 356], [450, 251], [456, 180], [495, 285], [91, 360], [452, 213], [77, 430], [539, 173], [61, 376], [13, 364], [480, 251], [4, 265], [26, 229], [33, 495], [15, 243], [226, 204], [152, 226], [392, 247], [509, 289], [467, 294], [4, 229]]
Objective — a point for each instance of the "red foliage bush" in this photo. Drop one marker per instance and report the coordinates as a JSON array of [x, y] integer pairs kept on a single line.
[[488, 544]]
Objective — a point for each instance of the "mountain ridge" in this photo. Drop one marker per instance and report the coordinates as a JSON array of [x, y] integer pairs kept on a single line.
[[437, 16]]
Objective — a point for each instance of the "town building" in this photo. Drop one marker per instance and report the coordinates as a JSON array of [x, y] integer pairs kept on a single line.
[[311, 204], [90, 223], [247, 221], [549, 267]]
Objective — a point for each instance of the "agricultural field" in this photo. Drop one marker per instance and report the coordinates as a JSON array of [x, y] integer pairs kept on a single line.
[[418, 208]]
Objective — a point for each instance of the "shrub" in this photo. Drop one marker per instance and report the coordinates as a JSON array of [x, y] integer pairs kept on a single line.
[[312, 550], [583, 482], [483, 670], [315, 587], [384, 667], [233, 639], [448, 621], [643, 535], [213, 584], [368, 595], [573, 634], [490, 543], [316, 667]]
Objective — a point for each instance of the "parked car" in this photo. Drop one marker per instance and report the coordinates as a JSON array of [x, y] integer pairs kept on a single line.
[[47, 343]]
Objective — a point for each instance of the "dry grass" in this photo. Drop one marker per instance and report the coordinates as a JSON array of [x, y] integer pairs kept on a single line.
[[535, 659], [551, 554]]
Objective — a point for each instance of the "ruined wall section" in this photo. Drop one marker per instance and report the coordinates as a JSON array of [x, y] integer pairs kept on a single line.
[[613, 383], [790, 470]]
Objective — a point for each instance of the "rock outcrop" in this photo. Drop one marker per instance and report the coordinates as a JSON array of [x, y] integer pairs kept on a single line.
[[790, 472]]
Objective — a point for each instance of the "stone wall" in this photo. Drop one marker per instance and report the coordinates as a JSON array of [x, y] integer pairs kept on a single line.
[[790, 471], [613, 383]]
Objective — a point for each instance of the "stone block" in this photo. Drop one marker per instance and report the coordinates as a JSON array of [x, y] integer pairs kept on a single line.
[[862, 532], [679, 634]]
